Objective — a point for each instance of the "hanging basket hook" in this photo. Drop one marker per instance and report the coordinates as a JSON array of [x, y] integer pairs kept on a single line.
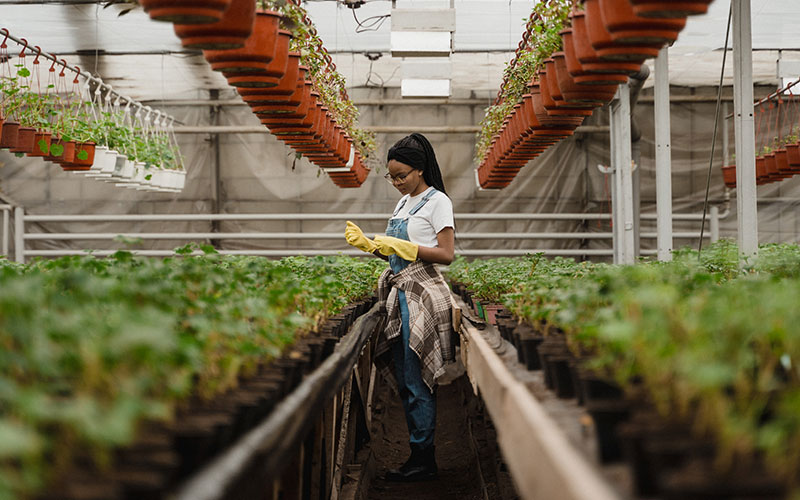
[[53, 66], [78, 69], [64, 63], [38, 53], [22, 52], [4, 45]]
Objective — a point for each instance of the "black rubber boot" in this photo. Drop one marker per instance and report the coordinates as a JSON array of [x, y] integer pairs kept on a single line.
[[420, 466]]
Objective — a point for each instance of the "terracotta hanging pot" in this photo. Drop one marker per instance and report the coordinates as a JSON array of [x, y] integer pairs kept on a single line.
[[625, 26], [25, 140], [761, 170], [553, 107], [185, 11], [288, 91], [267, 78], [9, 135], [289, 109], [605, 46], [84, 154], [670, 8], [596, 95], [258, 51], [41, 144], [782, 161], [793, 154], [65, 148], [563, 125], [729, 176], [576, 71], [587, 56], [771, 166], [230, 32]]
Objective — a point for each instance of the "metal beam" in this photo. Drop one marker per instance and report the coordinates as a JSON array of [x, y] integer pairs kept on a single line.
[[663, 157], [623, 169], [745, 130]]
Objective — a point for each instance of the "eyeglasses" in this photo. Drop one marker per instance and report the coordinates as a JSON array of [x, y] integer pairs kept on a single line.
[[398, 178]]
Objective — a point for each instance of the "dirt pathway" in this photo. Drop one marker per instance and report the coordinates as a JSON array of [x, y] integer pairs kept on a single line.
[[458, 470]]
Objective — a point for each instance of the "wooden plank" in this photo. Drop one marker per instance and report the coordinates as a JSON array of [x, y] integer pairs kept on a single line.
[[543, 464]]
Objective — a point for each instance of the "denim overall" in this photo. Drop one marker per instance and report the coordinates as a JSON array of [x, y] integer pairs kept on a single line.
[[419, 402]]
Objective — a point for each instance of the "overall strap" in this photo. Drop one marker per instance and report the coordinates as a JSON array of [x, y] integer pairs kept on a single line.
[[423, 201], [405, 199]]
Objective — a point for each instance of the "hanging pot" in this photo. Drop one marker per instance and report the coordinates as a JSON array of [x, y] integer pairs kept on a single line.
[[258, 51], [41, 144], [782, 162], [793, 154], [25, 140], [587, 56], [604, 44], [230, 32], [771, 167], [9, 134], [670, 8], [596, 95], [288, 91], [554, 108], [761, 170], [84, 154], [185, 11], [563, 125], [66, 148], [627, 27], [729, 176], [576, 71]]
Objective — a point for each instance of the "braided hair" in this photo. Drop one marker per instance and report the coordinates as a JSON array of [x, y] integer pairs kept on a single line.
[[415, 151]]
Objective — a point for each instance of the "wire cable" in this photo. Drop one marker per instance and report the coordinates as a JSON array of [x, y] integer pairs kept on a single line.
[[372, 23], [716, 125]]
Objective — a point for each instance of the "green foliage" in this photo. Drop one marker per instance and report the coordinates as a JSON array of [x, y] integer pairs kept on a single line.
[[710, 340], [547, 19], [330, 84], [92, 347]]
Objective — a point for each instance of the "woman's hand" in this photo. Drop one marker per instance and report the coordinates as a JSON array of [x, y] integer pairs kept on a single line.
[[388, 245], [356, 238]]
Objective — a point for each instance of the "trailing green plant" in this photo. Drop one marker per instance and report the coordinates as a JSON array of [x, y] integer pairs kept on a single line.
[[540, 41], [94, 347], [328, 82]]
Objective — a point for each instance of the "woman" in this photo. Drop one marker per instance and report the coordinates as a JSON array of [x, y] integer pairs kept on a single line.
[[420, 233]]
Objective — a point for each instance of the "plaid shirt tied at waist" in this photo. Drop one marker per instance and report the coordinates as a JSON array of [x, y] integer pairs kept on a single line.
[[430, 320]]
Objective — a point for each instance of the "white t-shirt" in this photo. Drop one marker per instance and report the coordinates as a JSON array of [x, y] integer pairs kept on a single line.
[[434, 216]]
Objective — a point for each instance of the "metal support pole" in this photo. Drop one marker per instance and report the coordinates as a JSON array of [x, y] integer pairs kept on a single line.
[[714, 213], [6, 222], [623, 169], [663, 157], [19, 235], [745, 131], [216, 186]]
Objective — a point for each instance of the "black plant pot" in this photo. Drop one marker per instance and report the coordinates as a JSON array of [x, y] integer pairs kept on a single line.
[[607, 415]]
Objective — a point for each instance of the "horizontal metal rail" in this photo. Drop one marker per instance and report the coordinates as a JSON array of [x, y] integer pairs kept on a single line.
[[323, 216], [310, 252], [298, 236]]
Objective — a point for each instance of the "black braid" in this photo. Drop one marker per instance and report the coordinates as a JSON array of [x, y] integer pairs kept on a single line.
[[429, 166]]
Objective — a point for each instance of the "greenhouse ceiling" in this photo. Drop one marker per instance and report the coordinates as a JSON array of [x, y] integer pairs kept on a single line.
[[144, 59]]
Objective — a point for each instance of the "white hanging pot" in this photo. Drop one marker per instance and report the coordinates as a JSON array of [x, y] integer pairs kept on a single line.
[[179, 179]]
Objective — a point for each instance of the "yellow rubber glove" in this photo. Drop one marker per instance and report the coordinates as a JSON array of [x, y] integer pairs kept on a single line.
[[388, 245], [355, 237]]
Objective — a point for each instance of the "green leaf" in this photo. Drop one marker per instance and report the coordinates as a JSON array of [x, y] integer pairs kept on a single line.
[[24, 72], [56, 149], [43, 146], [82, 155]]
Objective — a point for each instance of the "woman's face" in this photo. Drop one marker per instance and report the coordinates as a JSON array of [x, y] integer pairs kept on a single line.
[[406, 179]]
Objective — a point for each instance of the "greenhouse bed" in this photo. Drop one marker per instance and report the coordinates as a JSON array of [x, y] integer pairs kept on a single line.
[[165, 456], [619, 434]]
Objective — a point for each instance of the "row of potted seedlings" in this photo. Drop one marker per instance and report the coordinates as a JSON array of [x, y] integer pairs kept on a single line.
[[270, 53], [570, 62], [699, 401]]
